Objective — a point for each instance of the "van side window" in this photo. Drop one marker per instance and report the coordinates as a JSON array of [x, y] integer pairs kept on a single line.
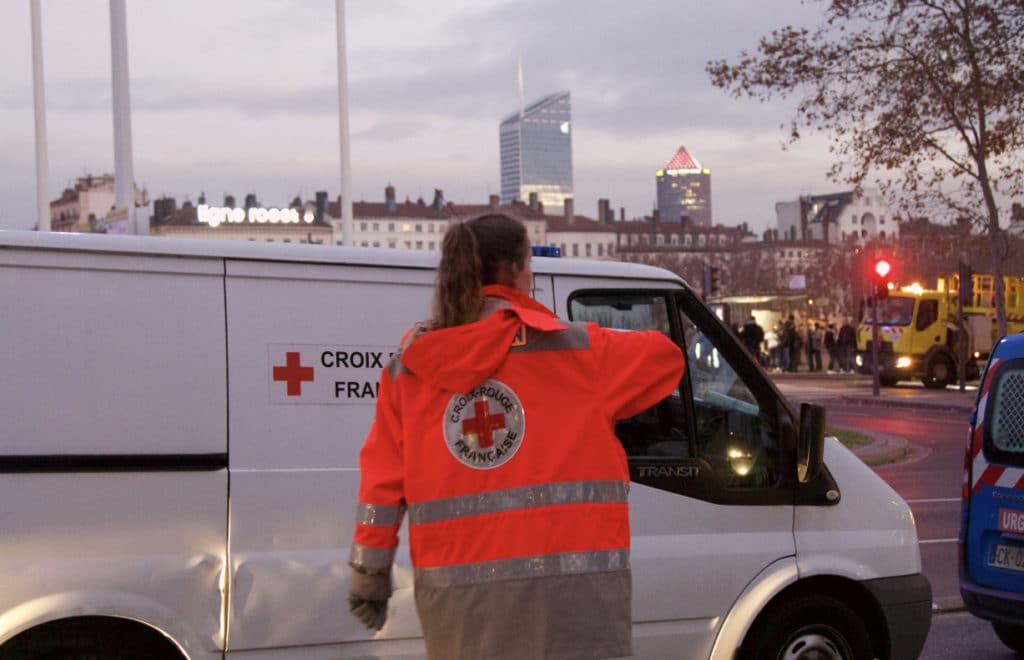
[[1004, 426], [711, 438], [623, 311], [927, 313], [730, 433], [658, 431]]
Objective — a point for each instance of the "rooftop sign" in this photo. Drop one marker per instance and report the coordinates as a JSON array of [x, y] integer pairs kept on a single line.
[[215, 216]]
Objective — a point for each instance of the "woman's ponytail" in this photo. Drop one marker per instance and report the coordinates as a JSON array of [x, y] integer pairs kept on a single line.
[[457, 297], [476, 253]]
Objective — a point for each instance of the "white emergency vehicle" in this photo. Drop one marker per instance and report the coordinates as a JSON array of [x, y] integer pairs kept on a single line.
[[178, 465]]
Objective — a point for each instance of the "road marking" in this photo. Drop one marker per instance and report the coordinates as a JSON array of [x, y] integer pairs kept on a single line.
[[934, 500], [929, 541]]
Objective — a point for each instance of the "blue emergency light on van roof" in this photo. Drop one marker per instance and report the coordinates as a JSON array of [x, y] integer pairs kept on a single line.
[[546, 251]]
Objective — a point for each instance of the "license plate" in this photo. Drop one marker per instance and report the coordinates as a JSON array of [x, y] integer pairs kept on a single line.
[[1007, 556]]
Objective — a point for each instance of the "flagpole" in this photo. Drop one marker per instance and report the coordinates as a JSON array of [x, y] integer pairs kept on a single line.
[[124, 176], [343, 131], [39, 99]]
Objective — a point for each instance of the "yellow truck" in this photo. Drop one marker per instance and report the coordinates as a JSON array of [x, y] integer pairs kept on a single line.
[[919, 335]]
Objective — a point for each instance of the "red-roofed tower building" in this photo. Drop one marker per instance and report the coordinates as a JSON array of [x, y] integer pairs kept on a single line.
[[684, 190]]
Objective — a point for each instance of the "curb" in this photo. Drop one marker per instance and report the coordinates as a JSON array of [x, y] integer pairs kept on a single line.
[[890, 403], [885, 449], [948, 604]]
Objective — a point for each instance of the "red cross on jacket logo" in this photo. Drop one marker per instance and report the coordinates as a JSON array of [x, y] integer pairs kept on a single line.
[[293, 373], [484, 424]]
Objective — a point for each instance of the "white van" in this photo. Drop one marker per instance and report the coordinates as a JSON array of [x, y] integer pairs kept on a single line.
[[178, 464]]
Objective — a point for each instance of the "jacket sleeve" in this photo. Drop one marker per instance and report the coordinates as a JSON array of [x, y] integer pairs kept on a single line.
[[637, 369], [382, 485]]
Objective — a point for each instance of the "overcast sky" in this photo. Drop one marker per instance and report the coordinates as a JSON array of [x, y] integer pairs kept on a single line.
[[239, 96]]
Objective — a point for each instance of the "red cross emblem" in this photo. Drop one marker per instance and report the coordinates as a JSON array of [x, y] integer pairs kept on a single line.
[[293, 373], [484, 424]]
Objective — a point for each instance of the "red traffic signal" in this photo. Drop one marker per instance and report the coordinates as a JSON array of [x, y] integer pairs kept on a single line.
[[880, 285]]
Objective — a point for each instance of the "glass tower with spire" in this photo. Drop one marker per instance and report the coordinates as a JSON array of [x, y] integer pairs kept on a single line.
[[536, 152]]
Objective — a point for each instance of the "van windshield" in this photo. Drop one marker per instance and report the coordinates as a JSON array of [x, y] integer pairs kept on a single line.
[[896, 310]]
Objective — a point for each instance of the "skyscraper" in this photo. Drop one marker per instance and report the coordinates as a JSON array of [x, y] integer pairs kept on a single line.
[[536, 152], [684, 190]]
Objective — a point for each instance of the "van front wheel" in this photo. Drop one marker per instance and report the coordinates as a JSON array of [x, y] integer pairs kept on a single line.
[[811, 627], [1011, 635]]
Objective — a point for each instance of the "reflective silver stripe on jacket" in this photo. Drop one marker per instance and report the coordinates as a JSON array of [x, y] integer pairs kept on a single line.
[[566, 492], [369, 559], [537, 566], [575, 337], [379, 514]]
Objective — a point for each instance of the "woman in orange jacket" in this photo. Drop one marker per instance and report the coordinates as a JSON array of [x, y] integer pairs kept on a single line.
[[494, 432]]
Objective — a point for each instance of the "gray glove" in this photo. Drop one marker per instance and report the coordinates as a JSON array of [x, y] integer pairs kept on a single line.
[[368, 598]]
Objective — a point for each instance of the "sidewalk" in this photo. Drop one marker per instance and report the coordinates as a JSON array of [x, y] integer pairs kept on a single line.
[[855, 389]]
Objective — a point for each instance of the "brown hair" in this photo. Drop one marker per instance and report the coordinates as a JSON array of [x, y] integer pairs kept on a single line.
[[475, 253]]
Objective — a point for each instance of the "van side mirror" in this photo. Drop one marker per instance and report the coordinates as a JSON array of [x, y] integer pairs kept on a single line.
[[810, 443]]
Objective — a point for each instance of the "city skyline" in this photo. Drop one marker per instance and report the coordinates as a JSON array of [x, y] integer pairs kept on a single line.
[[241, 97]]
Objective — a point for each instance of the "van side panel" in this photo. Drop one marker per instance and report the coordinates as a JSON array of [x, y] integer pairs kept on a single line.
[[133, 344], [114, 392], [306, 347]]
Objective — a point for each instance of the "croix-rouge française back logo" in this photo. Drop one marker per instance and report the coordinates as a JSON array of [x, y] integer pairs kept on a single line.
[[484, 428]]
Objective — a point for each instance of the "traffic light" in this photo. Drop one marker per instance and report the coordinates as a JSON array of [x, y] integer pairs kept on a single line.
[[882, 269], [713, 280]]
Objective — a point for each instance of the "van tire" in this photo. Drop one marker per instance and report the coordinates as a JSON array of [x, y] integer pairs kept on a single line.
[[939, 373], [1011, 635], [90, 638], [824, 622]]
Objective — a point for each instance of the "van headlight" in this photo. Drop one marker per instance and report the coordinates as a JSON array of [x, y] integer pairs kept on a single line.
[[902, 362], [859, 361]]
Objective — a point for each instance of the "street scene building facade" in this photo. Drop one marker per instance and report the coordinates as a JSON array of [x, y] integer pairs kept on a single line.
[[536, 152], [844, 217], [86, 205]]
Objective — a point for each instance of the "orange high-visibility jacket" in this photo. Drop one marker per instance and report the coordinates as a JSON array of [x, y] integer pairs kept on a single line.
[[497, 439]]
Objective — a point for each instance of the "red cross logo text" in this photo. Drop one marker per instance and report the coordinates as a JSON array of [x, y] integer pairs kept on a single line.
[[293, 373], [484, 424]]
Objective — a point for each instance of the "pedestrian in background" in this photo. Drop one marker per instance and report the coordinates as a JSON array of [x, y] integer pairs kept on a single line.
[[752, 336], [771, 341], [846, 343], [830, 348], [503, 568], [790, 344], [816, 339]]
